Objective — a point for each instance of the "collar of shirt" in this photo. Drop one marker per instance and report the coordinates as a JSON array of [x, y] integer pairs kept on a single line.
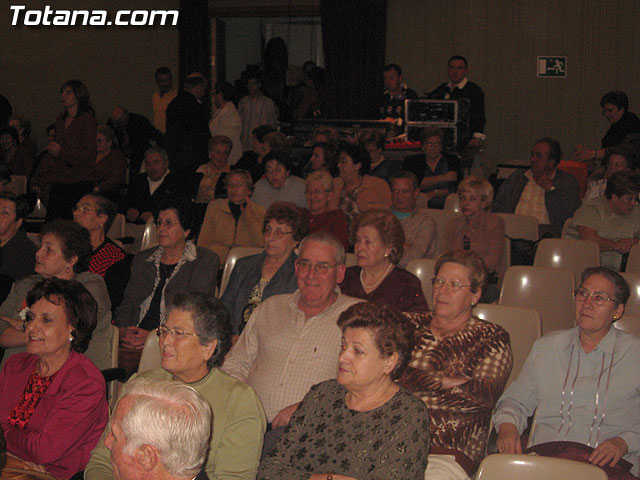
[[401, 94], [460, 85], [295, 299], [402, 215], [153, 185], [529, 174], [606, 345]]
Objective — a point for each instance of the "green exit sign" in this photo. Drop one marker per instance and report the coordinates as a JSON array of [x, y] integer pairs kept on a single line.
[[552, 67]]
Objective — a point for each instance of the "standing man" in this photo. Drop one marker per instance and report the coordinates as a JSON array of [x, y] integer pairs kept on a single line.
[[256, 109], [419, 228], [458, 87], [162, 98], [226, 119], [543, 191], [391, 102], [187, 127]]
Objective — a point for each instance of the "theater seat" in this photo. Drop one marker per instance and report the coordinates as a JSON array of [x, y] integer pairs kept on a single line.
[[234, 254], [548, 290], [503, 466], [150, 357], [568, 254], [423, 268]]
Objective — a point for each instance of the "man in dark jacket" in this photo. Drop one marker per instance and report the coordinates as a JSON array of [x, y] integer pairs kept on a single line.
[[542, 191]]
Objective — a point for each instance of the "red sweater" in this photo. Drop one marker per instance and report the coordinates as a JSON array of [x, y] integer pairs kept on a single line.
[[333, 221], [67, 423]]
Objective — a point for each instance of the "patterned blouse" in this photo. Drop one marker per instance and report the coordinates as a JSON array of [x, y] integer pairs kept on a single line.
[[460, 416], [325, 436], [34, 390]]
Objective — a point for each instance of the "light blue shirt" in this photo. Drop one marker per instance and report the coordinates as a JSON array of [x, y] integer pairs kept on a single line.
[[292, 191], [593, 386]]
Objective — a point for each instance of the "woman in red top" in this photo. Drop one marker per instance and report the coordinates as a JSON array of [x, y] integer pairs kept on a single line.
[[53, 405]]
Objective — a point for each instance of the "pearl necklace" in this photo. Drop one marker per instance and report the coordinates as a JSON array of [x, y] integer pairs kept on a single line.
[[375, 284]]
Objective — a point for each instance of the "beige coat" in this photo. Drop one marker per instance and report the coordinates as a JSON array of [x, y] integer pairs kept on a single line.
[[219, 231]]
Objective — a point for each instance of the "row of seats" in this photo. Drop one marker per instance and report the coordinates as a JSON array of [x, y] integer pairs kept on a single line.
[[549, 291]]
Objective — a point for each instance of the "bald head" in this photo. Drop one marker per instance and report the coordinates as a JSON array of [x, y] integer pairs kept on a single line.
[[119, 117]]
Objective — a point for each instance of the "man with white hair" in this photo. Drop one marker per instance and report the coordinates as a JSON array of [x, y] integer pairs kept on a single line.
[[159, 430]]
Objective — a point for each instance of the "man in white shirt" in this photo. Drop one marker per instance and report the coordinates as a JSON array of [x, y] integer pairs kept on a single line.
[[292, 341]]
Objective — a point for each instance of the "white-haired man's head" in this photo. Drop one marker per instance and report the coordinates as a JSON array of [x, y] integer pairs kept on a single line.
[[160, 429]]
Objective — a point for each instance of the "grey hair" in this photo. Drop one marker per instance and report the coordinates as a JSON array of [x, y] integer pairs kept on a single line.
[[172, 417], [210, 321], [328, 239]]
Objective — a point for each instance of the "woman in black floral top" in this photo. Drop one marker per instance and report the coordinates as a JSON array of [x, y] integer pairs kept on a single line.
[[362, 425]]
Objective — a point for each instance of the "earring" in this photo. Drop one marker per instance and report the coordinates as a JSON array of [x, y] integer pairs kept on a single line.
[[615, 317], [68, 269], [71, 339]]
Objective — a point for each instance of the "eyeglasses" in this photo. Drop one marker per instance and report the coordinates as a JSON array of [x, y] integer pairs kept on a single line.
[[279, 234], [316, 192], [304, 266], [84, 208], [598, 298], [452, 285], [168, 224], [177, 332]]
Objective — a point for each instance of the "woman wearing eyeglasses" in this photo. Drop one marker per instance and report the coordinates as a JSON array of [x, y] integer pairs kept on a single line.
[[584, 382], [437, 172], [232, 222], [459, 367], [194, 340], [272, 272], [157, 274]]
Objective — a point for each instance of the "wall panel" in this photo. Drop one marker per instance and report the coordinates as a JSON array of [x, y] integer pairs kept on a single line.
[[502, 40]]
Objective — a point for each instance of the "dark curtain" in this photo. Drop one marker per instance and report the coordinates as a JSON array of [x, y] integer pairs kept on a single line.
[[353, 40], [195, 38]]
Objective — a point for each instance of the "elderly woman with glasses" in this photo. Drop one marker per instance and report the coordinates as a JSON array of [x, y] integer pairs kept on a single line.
[[235, 221], [272, 272], [194, 340], [157, 274], [584, 382], [459, 367]]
